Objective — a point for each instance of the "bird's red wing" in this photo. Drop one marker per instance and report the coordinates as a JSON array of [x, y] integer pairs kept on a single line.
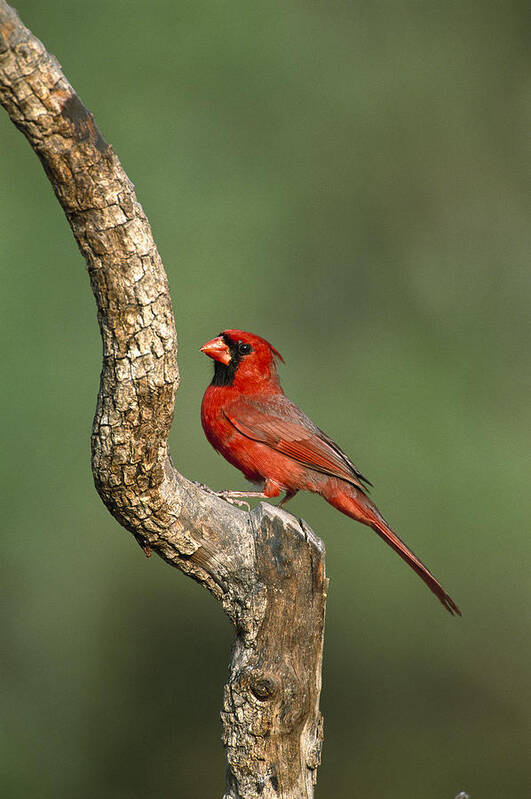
[[279, 424]]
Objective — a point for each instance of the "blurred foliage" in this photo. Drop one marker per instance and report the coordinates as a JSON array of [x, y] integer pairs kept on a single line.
[[350, 180]]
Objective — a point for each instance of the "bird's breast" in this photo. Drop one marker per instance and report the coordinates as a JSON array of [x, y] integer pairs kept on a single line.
[[224, 437]]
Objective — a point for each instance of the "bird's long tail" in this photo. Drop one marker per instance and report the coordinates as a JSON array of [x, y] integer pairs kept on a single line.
[[354, 503]]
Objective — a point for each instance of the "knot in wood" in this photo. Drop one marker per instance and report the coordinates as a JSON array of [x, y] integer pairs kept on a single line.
[[263, 686]]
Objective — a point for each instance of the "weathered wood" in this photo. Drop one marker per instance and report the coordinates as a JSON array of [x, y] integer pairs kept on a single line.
[[273, 727], [265, 567]]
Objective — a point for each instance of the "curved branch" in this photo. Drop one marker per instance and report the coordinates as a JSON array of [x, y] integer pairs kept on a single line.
[[265, 567]]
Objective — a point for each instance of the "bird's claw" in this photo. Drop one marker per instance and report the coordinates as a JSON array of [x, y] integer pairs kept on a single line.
[[203, 486], [226, 495]]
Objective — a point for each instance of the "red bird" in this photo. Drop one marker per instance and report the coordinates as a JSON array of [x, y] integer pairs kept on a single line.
[[248, 419]]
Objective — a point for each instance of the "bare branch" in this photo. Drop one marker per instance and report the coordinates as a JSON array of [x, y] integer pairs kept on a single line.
[[265, 567]]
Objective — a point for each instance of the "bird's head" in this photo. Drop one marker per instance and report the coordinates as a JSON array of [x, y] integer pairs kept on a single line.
[[242, 359]]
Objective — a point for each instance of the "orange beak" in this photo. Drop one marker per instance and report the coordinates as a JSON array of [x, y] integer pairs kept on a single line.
[[218, 350]]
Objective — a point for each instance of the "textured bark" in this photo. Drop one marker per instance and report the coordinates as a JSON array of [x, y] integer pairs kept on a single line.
[[265, 567]]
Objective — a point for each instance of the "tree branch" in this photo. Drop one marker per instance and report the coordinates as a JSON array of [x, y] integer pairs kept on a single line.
[[265, 567]]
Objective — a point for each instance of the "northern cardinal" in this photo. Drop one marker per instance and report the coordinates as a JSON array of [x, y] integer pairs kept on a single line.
[[249, 420]]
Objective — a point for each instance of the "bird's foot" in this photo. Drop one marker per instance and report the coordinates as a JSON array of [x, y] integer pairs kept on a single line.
[[221, 494], [203, 486], [240, 503], [234, 497]]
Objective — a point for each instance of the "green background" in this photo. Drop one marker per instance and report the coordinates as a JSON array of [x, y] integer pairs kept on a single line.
[[351, 181]]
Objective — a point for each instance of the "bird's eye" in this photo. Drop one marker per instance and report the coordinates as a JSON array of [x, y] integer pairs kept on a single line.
[[243, 348]]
